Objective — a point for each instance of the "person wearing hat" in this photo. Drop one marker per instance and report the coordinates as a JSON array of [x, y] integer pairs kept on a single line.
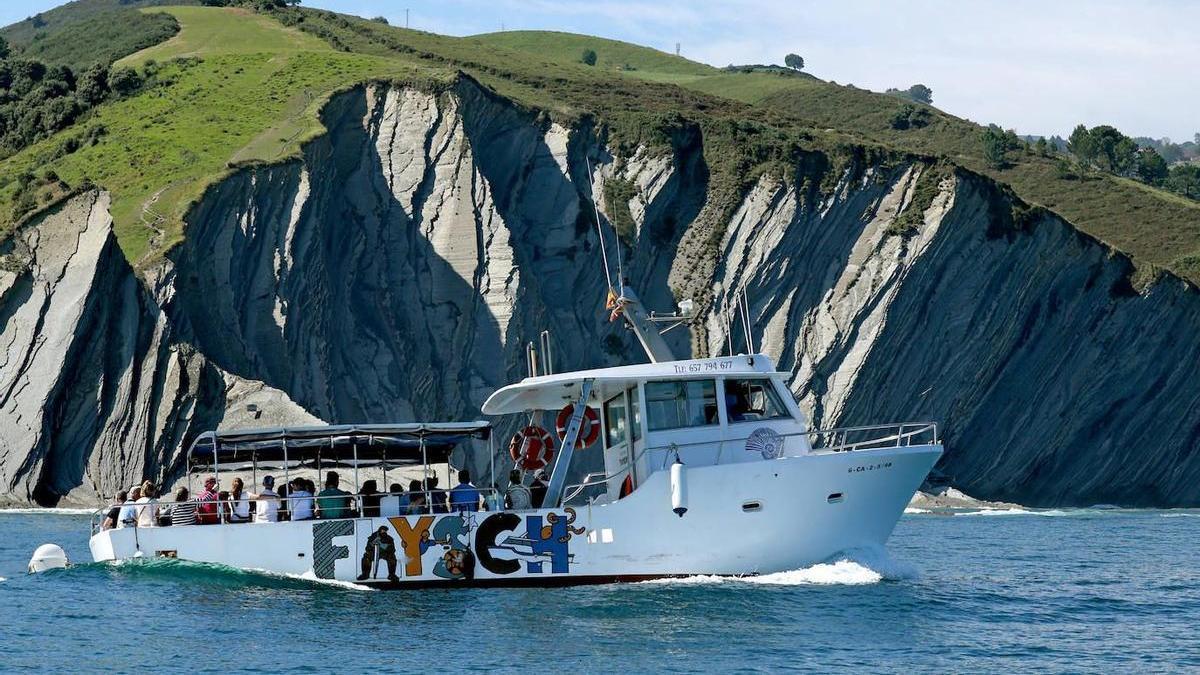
[[206, 511], [266, 505]]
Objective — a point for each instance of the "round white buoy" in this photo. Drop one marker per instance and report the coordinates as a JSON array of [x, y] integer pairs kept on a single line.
[[679, 496], [48, 557]]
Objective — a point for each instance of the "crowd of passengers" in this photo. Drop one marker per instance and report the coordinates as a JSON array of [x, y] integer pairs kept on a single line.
[[299, 500]]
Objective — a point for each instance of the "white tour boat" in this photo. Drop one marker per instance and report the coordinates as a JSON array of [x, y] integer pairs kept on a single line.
[[709, 468]]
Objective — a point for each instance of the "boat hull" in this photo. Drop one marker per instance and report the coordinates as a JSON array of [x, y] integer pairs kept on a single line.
[[749, 518]]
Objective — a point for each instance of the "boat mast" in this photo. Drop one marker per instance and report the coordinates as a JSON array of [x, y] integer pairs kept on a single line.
[[643, 326]]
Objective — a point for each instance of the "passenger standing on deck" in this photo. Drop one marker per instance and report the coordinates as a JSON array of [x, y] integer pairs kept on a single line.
[[128, 515], [464, 496], [537, 489], [518, 497], [302, 503], [333, 502], [266, 505], [147, 506], [206, 511], [113, 517], [238, 506]]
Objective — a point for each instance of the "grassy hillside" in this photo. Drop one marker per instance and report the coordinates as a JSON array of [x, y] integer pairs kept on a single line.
[[234, 87], [1153, 225], [51, 22], [101, 38], [161, 148], [611, 55]]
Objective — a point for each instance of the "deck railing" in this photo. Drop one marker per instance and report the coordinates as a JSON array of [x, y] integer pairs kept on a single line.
[[820, 441], [225, 510]]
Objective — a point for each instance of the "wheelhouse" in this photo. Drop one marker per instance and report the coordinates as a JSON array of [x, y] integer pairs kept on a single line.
[[701, 411]]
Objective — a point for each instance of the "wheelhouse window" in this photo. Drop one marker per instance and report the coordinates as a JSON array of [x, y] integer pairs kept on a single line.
[[635, 413], [673, 404], [753, 400], [614, 421]]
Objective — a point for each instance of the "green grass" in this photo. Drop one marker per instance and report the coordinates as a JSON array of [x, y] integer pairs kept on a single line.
[[102, 38], [165, 146], [1154, 226], [226, 31], [54, 21], [612, 56], [256, 92]]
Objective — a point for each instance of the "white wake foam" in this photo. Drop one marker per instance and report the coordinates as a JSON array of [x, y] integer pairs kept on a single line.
[[913, 509], [1180, 515], [842, 572], [859, 567], [312, 577]]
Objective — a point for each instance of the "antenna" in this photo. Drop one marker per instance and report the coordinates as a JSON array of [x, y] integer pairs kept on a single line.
[[547, 360], [532, 358], [746, 321], [406, 17], [728, 329]]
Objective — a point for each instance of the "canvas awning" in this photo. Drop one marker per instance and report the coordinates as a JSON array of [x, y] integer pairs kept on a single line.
[[342, 444]]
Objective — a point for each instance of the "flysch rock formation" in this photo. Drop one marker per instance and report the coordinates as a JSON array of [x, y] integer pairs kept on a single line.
[[397, 270]]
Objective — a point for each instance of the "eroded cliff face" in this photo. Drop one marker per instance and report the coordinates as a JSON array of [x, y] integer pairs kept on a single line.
[[398, 269]]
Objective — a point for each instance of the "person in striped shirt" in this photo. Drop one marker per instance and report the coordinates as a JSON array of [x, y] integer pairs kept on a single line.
[[183, 511]]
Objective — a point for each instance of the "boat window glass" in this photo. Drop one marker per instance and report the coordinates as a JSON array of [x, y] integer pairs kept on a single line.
[[681, 403], [635, 413], [614, 421], [753, 400]]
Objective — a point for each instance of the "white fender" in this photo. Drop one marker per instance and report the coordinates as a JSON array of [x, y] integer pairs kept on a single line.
[[679, 495], [48, 557]]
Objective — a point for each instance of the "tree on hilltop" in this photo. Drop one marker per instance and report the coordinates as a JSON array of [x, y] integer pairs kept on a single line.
[[996, 144], [794, 61], [921, 94], [588, 56], [1151, 167]]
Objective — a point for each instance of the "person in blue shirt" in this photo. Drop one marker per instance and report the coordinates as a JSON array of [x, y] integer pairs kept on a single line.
[[464, 496]]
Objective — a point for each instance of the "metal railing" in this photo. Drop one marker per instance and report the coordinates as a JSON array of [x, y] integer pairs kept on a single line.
[[820, 441], [287, 504]]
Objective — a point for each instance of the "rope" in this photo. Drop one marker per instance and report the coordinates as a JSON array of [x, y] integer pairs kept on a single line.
[[599, 230]]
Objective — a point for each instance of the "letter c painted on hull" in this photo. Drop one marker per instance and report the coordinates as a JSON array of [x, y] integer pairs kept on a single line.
[[485, 539]]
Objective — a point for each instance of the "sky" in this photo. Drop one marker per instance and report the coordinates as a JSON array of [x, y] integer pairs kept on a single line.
[[1039, 66]]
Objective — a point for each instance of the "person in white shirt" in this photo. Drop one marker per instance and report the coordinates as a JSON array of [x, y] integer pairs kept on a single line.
[[147, 513], [129, 512], [238, 506], [301, 500], [266, 505]]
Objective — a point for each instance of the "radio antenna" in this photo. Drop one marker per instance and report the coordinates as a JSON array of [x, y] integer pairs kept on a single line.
[[599, 230]]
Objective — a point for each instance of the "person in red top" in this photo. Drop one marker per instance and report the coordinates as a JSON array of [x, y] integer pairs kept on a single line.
[[206, 510]]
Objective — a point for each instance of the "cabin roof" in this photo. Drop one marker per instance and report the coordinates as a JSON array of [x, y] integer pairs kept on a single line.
[[393, 444], [551, 392]]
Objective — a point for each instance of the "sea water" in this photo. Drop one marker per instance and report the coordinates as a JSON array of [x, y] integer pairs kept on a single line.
[[1089, 590]]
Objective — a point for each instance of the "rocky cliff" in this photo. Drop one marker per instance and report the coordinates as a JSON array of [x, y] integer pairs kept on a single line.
[[397, 269]]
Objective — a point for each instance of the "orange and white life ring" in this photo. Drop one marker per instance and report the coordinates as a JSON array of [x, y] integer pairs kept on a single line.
[[531, 448], [588, 433]]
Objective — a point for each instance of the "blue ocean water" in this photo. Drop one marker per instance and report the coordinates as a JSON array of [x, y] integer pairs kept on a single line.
[[1090, 590]]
